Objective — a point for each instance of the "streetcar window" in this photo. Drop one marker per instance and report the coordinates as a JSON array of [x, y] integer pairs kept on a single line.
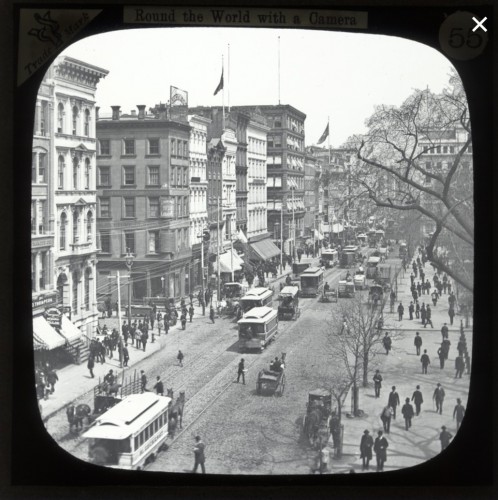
[[136, 442]]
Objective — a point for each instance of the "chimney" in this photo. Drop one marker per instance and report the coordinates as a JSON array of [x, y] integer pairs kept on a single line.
[[141, 111], [115, 112], [97, 112]]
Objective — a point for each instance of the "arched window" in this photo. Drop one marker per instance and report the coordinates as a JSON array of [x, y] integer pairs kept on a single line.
[[87, 173], [60, 118], [62, 232], [60, 172], [61, 281], [89, 226], [75, 120], [75, 227], [87, 123], [75, 292], [75, 172], [88, 275]]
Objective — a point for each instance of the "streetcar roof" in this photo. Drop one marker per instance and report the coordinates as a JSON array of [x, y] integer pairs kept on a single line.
[[289, 290], [329, 251], [257, 293], [258, 315], [373, 260], [128, 416], [312, 271]]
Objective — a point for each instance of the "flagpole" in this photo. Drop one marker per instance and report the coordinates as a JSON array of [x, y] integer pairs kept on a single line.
[[223, 95], [279, 70], [228, 78]]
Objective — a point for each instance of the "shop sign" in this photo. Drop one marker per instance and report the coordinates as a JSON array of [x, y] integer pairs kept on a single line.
[[53, 317], [44, 300]]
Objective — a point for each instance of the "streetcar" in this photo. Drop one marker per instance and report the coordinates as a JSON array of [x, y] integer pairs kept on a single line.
[[289, 303], [329, 257], [257, 297], [129, 435], [257, 328], [311, 282], [372, 264]]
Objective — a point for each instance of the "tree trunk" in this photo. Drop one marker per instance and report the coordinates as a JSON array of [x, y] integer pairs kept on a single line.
[[365, 368]]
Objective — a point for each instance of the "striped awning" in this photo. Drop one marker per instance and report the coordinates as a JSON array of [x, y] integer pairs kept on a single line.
[[44, 336]]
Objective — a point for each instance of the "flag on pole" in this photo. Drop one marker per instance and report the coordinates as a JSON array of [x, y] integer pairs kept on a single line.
[[220, 85], [324, 135]]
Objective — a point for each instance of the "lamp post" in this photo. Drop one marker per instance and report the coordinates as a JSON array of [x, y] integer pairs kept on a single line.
[[129, 263]]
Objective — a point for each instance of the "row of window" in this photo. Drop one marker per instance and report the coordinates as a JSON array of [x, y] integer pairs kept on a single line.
[[445, 149], [128, 243], [150, 430], [76, 181], [128, 147], [38, 168], [178, 176], [181, 204], [63, 222], [75, 122]]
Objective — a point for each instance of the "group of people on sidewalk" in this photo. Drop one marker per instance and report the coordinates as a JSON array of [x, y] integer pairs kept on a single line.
[[412, 406]]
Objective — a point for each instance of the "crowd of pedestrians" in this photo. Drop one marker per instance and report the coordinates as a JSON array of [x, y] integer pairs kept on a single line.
[[411, 406]]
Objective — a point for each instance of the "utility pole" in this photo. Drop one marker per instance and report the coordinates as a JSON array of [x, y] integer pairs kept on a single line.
[[218, 245], [281, 236], [293, 228]]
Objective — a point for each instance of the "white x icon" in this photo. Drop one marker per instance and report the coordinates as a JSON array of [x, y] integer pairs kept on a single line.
[[479, 24]]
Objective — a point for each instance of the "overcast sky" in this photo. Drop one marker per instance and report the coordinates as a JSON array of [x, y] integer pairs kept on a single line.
[[341, 75]]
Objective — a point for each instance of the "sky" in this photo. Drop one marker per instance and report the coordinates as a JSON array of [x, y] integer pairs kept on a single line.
[[323, 74]]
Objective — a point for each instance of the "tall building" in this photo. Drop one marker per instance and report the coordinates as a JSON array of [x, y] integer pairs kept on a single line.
[[198, 194], [143, 203], [64, 207], [312, 216]]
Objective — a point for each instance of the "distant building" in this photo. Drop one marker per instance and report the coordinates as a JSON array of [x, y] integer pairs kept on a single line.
[[143, 203]]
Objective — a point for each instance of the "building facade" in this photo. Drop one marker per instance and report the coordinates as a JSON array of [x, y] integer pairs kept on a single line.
[[143, 203]]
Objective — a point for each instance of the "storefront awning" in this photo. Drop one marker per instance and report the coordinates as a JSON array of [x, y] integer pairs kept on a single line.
[[265, 249], [337, 228], [68, 330], [45, 336], [226, 263]]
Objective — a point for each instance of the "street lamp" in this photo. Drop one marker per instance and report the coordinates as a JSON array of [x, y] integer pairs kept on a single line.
[[129, 263]]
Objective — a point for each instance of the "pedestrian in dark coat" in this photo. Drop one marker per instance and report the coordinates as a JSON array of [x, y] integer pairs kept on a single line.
[[461, 347], [459, 366], [440, 355], [417, 310], [438, 397], [434, 297], [412, 279], [144, 339], [417, 399], [451, 314], [387, 343], [183, 320], [445, 344], [180, 357], [143, 381], [159, 387], [366, 445], [241, 372], [126, 356], [423, 314], [445, 438], [428, 316], [401, 310], [199, 455], [90, 365], [191, 312], [444, 332], [393, 400], [419, 289], [424, 359], [417, 342], [408, 413], [385, 416], [459, 412], [411, 310], [211, 314], [380, 448], [377, 378]]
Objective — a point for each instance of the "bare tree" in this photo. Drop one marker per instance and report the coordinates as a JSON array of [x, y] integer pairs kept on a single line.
[[353, 339], [392, 169]]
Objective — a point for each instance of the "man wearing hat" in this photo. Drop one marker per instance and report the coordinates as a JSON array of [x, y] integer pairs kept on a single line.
[[366, 446], [407, 412], [377, 378], [444, 437], [438, 397], [459, 412], [417, 399], [393, 400], [199, 455], [380, 447]]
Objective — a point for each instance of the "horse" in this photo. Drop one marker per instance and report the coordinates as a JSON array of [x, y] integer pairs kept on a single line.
[[176, 408], [313, 421], [75, 415]]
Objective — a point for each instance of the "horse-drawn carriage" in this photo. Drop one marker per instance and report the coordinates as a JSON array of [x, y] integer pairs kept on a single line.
[[289, 303], [328, 294], [272, 380], [316, 422], [375, 294]]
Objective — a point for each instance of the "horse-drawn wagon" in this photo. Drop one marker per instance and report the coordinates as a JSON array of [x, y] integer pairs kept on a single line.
[[316, 422], [375, 295], [272, 380]]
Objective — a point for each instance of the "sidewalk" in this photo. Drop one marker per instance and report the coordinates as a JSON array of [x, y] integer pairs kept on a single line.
[[402, 368]]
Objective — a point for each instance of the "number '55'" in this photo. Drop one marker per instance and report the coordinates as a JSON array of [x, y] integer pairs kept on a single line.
[[457, 39]]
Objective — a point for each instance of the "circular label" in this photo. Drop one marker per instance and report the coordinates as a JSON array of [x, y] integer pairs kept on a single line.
[[461, 37]]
